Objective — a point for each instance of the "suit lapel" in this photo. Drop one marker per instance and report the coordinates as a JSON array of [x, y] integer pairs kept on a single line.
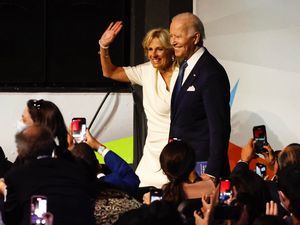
[[188, 82]]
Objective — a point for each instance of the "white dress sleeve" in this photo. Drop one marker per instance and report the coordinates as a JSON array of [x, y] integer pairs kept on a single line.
[[137, 74]]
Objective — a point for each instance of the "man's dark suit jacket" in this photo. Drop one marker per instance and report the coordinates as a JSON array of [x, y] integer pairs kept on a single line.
[[200, 115], [64, 183]]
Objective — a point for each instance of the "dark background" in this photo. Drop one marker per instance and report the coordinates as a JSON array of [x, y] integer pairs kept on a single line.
[[52, 45]]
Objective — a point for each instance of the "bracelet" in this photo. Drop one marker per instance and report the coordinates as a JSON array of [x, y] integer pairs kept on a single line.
[[105, 55], [102, 46]]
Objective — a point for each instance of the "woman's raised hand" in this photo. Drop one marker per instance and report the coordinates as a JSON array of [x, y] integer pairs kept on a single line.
[[110, 34]]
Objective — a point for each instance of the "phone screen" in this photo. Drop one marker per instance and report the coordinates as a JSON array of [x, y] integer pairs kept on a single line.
[[261, 169], [225, 192], [260, 137], [38, 209], [78, 127], [155, 194], [226, 209]]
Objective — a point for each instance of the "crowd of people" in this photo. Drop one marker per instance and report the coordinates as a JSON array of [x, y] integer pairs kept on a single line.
[[186, 101]]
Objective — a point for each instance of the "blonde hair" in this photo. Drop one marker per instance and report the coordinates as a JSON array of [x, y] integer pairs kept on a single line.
[[162, 35]]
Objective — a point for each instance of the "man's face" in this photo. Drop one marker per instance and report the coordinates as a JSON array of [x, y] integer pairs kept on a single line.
[[181, 39]]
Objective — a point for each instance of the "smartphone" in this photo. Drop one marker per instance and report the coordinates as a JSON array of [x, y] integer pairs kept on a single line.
[[38, 209], [261, 169], [78, 127], [200, 167], [155, 194], [225, 210], [225, 193], [260, 138]]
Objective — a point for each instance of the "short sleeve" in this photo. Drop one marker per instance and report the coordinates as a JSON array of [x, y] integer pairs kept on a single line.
[[137, 74]]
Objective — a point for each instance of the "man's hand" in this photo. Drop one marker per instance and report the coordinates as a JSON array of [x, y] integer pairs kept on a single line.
[[206, 177]]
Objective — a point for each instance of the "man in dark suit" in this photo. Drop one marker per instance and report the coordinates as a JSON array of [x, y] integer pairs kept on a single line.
[[64, 183], [200, 111]]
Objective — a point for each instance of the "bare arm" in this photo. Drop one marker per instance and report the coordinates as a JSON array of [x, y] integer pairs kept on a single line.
[[110, 70]]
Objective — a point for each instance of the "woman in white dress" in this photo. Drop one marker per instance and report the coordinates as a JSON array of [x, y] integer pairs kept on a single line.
[[157, 77]]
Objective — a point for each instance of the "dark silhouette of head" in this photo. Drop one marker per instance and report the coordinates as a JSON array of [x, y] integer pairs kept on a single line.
[[87, 155], [158, 213], [289, 155], [5, 164], [289, 185], [47, 114], [34, 141], [269, 220], [177, 160], [252, 192]]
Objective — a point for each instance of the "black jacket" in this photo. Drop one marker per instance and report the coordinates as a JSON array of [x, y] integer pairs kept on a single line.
[[64, 183]]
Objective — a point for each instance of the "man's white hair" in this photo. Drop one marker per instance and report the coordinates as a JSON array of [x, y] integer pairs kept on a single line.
[[192, 22]]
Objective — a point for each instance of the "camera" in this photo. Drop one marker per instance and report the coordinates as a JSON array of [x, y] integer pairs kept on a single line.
[[260, 138], [225, 193], [200, 167], [38, 209], [225, 209], [155, 194], [261, 169], [78, 127]]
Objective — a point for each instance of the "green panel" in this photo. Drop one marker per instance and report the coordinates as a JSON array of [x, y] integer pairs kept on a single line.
[[123, 147]]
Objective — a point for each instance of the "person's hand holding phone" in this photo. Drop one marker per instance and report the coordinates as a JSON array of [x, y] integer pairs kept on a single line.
[[91, 141], [48, 217], [70, 138], [146, 198], [269, 155], [202, 219], [248, 153]]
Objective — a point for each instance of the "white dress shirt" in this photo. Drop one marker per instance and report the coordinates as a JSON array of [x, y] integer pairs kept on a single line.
[[192, 62]]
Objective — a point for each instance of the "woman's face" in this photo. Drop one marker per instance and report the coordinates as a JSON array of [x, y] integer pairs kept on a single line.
[[26, 118], [160, 57]]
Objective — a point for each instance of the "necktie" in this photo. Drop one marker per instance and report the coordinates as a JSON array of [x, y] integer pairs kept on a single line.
[[179, 80]]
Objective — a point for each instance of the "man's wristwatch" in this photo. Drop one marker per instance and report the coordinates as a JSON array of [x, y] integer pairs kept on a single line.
[[100, 149]]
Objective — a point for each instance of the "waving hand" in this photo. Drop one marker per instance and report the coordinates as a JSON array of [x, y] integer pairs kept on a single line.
[[110, 34]]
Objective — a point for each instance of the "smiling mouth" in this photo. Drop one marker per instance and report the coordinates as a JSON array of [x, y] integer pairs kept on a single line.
[[155, 60]]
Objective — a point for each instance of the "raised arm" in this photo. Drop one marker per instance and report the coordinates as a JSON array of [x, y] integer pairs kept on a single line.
[[109, 69], [122, 175]]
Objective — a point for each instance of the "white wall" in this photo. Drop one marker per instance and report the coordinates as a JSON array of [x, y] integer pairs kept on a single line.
[[114, 121], [258, 44]]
